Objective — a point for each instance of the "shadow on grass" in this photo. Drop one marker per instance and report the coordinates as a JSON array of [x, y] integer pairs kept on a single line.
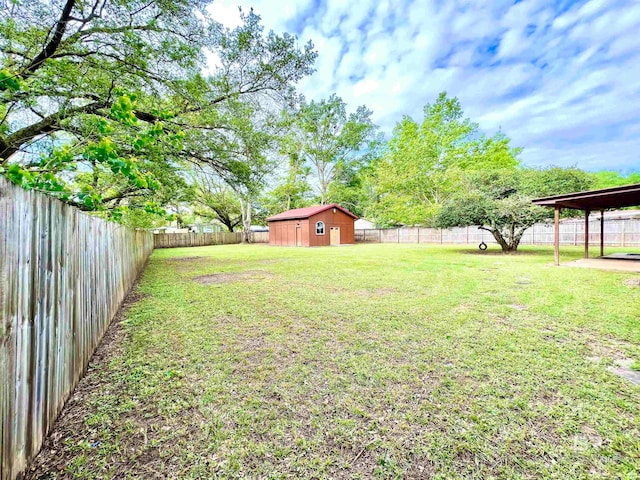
[[528, 251]]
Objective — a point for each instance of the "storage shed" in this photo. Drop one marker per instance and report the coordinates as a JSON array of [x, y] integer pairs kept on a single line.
[[312, 227]]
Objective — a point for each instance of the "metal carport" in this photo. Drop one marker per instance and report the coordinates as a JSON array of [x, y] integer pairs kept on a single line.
[[592, 200]]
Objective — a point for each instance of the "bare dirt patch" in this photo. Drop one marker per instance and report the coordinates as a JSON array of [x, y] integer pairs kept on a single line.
[[186, 264], [185, 259], [228, 277], [375, 292], [518, 306], [612, 349], [632, 282], [271, 261]]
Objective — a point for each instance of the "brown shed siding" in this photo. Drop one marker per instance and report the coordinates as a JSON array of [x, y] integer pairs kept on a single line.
[[330, 219], [306, 232], [283, 232]]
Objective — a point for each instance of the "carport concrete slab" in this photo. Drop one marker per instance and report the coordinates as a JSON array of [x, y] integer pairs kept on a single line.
[[623, 256], [623, 369], [611, 264]]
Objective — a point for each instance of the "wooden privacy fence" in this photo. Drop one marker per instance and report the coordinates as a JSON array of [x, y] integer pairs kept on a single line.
[[63, 276], [617, 233], [172, 240]]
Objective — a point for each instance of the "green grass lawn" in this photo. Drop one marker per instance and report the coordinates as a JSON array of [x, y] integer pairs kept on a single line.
[[371, 361]]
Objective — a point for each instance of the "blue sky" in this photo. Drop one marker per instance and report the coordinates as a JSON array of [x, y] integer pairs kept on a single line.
[[561, 78]]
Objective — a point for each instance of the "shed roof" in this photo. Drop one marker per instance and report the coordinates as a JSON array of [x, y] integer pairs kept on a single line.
[[307, 212], [616, 197]]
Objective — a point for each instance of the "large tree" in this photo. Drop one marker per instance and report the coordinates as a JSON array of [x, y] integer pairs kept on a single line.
[[354, 184], [329, 138], [499, 201], [291, 190], [214, 200], [116, 89], [607, 179], [245, 150], [424, 161]]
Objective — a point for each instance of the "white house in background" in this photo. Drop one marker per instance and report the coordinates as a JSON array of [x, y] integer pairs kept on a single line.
[[194, 228], [362, 224], [206, 228], [170, 230]]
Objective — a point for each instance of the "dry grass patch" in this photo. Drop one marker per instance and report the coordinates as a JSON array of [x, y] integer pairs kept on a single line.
[[632, 282], [245, 276]]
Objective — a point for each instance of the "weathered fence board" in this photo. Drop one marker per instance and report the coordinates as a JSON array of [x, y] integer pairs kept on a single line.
[[173, 240], [617, 233], [63, 275]]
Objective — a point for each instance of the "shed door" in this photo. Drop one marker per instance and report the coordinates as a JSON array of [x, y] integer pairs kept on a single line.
[[335, 236], [298, 235]]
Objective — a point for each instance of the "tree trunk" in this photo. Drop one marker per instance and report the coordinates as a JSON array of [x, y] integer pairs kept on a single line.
[[323, 181], [220, 215], [508, 244], [227, 222], [323, 192], [245, 207]]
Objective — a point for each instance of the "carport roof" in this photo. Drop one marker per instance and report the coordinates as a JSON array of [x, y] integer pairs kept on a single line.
[[616, 197]]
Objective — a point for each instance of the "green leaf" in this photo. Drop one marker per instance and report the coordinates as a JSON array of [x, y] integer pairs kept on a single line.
[[9, 81]]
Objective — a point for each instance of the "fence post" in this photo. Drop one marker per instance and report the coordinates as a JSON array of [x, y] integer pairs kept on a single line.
[[622, 233]]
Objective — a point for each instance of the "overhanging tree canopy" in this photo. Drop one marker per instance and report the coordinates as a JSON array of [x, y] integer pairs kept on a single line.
[[112, 87]]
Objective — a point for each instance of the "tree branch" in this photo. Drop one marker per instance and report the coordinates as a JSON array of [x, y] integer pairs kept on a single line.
[[10, 144], [125, 194], [53, 44], [83, 34]]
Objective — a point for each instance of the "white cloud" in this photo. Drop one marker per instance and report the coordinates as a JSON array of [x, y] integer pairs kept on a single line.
[[564, 85], [364, 87], [512, 45], [226, 13]]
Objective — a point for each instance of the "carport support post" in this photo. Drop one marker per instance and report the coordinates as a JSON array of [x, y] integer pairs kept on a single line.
[[602, 233], [586, 233], [556, 239]]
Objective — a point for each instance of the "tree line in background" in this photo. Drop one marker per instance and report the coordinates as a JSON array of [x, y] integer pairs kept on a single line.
[[147, 111]]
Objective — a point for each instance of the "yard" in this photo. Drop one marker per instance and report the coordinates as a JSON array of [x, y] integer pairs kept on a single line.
[[388, 361]]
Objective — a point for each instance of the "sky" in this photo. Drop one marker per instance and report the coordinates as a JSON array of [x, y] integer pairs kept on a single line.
[[560, 78]]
